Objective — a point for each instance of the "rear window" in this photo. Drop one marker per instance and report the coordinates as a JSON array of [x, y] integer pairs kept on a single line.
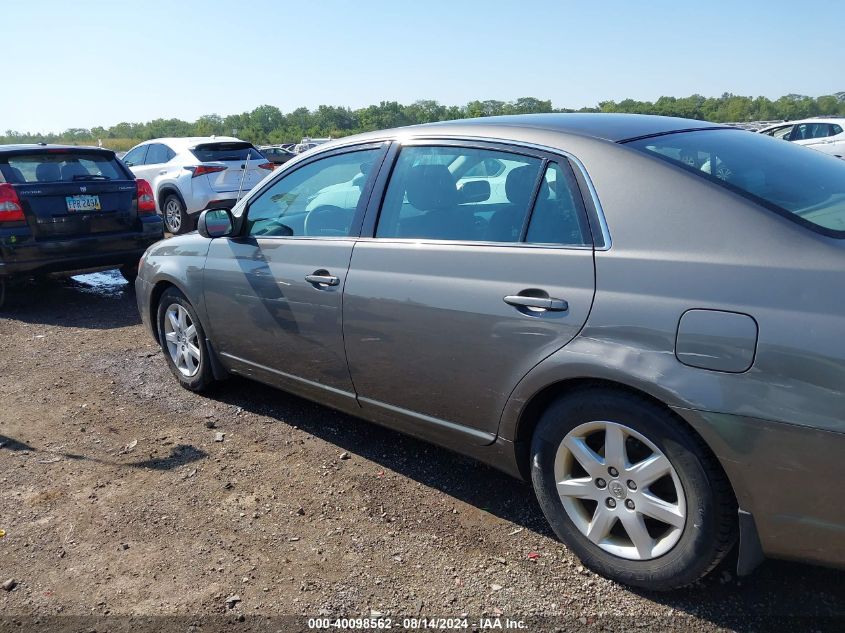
[[211, 152], [60, 167], [803, 184]]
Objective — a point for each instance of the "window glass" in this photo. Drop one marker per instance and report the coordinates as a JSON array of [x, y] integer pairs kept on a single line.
[[225, 151], [809, 186], [458, 193], [136, 156], [558, 216], [158, 154], [318, 200], [835, 129], [781, 132], [60, 167]]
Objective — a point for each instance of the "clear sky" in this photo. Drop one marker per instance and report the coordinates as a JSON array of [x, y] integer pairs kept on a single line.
[[90, 62]]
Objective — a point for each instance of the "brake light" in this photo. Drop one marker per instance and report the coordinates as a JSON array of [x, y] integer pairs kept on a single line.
[[146, 199], [268, 166], [10, 204], [199, 170]]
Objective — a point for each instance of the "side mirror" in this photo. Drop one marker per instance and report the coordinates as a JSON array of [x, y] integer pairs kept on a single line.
[[215, 223], [474, 191]]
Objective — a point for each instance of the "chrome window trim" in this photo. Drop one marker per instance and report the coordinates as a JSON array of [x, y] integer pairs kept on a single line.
[[425, 241]]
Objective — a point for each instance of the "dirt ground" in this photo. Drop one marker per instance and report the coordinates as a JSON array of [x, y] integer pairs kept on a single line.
[[116, 499]]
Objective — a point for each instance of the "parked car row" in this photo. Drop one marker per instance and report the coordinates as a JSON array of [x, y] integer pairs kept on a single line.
[[640, 315]]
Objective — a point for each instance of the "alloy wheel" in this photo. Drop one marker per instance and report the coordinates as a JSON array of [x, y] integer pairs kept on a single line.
[[182, 340], [173, 215], [620, 490]]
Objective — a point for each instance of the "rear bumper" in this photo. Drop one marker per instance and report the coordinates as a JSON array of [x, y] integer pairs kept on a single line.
[[21, 255], [787, 477]]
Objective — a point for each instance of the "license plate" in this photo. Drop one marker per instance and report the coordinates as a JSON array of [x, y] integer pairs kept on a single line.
[[83, 203]]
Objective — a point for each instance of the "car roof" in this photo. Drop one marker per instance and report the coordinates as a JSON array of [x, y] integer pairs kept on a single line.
[[186, 142], [18, 147], [600, 126]]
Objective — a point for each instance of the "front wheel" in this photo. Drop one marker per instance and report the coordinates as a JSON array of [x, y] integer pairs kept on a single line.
[[631, 490], [176, 219], [183, 341]]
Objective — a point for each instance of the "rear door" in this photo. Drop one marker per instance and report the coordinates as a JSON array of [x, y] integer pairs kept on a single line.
[[448, 305], [241, 162], [72, 193]]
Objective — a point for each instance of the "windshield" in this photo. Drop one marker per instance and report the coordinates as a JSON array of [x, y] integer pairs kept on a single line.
[[801, 183]]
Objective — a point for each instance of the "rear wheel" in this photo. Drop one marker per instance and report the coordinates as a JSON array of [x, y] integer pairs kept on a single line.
[[176, 220], [183, 341], [631, 490], [130, 273]]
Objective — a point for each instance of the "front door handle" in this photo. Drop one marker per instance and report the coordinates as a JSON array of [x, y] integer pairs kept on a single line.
[[538, 303], [322, 278]]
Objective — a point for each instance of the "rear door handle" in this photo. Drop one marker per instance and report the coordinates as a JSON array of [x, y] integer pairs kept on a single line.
[[543, 303], [322, 278]]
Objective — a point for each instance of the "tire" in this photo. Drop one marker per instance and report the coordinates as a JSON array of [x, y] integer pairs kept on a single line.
[[176, 220], [130, 274], [2, 293], [185, 349], [595, 509]]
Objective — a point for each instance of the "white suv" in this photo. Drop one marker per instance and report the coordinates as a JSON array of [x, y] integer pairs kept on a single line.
[[189, 175], [826, 134]]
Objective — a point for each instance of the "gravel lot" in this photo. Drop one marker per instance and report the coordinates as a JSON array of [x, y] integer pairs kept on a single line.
[[117, 499]]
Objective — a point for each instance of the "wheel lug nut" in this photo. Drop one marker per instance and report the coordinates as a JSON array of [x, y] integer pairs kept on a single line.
[[629, 503], [601, 483], [632, 485], [612, 472], [611, 502]]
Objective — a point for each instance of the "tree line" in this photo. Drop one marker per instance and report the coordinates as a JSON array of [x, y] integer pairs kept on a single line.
[[268, 124]]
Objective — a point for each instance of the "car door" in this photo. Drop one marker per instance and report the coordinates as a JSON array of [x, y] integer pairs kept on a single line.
[[449, 303], [273, 291]]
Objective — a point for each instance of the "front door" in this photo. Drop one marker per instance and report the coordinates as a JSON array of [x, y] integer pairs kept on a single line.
[[457, 296], [273, 293]]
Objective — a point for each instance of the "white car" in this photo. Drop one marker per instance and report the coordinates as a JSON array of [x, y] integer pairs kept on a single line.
[[189, 175], [826, 134]]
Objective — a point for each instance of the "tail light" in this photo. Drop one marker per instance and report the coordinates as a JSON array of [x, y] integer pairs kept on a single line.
[[268, 166], [146, 199], [199, 170], [10, 204]]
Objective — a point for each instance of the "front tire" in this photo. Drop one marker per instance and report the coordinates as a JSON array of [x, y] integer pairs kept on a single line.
[[183, 341], [176, 219], [631, 490]]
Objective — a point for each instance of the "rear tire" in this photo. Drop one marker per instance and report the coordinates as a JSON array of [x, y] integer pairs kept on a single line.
[[2, 293], [182, 340], [658, 529], [176, 219], [130, 274]]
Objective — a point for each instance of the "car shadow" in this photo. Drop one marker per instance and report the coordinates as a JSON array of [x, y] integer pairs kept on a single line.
[[11, 444], [100, 301], [776, 589]]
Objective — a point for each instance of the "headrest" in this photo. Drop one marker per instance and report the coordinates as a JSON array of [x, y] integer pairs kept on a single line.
[[73, 169], [431, 188], [47, 172], [520, 185]]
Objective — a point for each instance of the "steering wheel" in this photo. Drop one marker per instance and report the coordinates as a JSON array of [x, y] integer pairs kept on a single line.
[[327, 219]]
